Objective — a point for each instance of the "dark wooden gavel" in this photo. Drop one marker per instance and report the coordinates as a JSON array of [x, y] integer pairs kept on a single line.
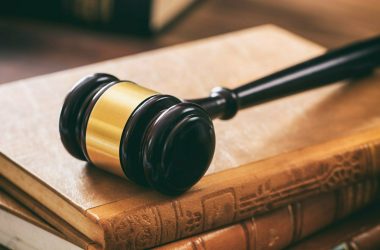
[[168, 143]]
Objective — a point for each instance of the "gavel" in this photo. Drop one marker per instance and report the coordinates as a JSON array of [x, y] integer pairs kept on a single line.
[[167, 143]]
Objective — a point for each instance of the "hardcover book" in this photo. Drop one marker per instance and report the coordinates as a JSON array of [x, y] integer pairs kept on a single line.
[[136, 16], [18, 206], [360, 229], [239, 184], [273, 230], [281, 227], [359, 232], [17, 223]]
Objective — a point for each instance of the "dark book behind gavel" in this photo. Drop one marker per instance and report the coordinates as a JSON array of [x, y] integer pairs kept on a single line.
[[167, 143]]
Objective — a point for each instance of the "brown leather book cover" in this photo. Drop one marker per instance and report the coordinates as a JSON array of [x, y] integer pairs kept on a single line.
[[358, 232], [118, 214], [9, 204], [21, 229], [273, 230], [279, 228], [366, 240], [23, 206]]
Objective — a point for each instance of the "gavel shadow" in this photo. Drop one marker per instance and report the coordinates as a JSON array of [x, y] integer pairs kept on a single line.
[[353, 107], [108, 188], [350, 108]]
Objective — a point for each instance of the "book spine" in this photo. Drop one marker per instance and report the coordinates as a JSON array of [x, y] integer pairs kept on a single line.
[[254, 189], [367, 240], [115, 15], [280, 228]]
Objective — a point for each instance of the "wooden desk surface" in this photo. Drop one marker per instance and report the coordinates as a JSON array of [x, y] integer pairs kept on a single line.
[[29, 48]]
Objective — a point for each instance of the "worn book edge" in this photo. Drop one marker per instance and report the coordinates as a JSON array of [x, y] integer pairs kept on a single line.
[[313, 170], [341, 235], [57, 225], [275, 229], [281, 227]]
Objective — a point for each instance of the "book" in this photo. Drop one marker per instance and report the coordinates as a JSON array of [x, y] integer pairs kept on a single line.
[[17, 222], [117, 214], [359, 231], [368, 239], [142, 16], [281, 227], [273, 230], [16, 201]]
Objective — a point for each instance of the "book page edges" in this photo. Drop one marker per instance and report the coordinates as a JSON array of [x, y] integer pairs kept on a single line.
[[50, 199], [10, 205], [65, 230]]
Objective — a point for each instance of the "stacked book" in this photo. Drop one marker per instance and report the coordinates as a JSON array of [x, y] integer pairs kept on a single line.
[[141, 17], [283, 172]]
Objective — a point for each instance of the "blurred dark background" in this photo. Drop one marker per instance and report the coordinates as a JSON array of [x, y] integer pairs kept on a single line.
[[30, 47]]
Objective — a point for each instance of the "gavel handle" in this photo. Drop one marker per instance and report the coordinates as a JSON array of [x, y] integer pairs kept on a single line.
[[351, 61]]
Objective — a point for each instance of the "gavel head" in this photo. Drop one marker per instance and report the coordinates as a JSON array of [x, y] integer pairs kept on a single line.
[[149, 138]]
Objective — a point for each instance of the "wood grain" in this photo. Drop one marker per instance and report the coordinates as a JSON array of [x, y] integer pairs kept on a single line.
[[30, 48]]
